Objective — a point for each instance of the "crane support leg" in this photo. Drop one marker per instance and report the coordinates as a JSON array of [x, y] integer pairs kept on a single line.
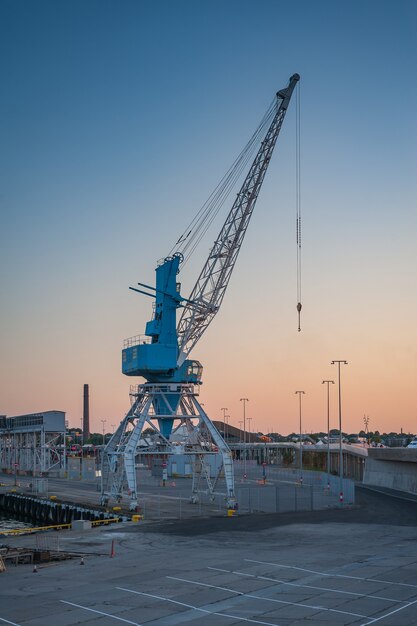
[[226, 455], [130, 456], [118, 470]]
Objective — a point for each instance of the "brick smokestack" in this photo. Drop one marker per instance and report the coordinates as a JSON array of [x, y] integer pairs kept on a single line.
[[86, 414]]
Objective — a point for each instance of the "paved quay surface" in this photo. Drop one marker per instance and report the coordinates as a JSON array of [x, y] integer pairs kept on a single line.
[[354, 566], [156, 501]]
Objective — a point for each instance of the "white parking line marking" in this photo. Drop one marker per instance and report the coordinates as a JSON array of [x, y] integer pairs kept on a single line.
[[197, 608], [249, 595], [86, 608], [284, 582], [6, 621], [311, 571], [378, 619]]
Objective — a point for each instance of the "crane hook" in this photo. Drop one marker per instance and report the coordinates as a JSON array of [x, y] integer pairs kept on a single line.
[[299, 307]]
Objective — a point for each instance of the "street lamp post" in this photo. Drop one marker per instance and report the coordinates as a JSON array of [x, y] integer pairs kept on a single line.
[[224, 409], [244, 400], [249, 438], [366, 422], [340, 430], [65, 445], [301, 445], [328, 382], [227, 417], [103, 422], [16, 464]]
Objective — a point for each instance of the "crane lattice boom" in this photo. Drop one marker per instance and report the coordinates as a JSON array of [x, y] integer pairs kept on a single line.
[[209, 290]]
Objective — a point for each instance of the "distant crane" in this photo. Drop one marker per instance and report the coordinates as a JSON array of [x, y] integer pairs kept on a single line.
[[167, 401]]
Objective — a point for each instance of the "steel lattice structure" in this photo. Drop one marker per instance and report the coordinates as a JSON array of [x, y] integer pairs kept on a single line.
[[33, 444]]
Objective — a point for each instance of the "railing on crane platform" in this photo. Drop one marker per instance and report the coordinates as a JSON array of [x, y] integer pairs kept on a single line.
[[136, 340], [164, 388]]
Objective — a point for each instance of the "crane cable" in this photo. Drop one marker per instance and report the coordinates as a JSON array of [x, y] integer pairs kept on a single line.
[[196, 230], [211, 207], [298, 200]]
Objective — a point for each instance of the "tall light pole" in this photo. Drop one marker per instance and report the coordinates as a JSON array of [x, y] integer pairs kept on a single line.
[[366, 422], [113, 427], [340, 429], [250, 432], [227, 417], [301, 445], [249, 420], [103, 422], [328, 382], [224, 409], [244, 400]]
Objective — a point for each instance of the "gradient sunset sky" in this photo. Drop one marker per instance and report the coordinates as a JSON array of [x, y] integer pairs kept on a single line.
[[118, 118]]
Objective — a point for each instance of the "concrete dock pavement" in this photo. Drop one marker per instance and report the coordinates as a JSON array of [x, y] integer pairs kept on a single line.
[[355, 566], [155, 500]]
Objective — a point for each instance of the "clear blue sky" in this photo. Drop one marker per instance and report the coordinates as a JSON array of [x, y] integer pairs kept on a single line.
[[117, 120]]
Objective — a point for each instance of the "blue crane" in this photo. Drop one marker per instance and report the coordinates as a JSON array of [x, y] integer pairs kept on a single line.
[[161, 357]]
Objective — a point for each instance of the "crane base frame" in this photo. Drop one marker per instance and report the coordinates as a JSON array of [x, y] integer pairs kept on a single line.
[[154, 404]]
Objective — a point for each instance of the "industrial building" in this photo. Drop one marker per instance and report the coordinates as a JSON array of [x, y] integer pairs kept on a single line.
[[33, 444]]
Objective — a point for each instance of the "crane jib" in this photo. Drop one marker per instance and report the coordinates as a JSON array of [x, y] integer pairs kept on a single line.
[[214, 277], [162, 356]]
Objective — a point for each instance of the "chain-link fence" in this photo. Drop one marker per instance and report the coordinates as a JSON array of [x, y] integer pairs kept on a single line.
[[283, 499], [323, 484], [267, 489]]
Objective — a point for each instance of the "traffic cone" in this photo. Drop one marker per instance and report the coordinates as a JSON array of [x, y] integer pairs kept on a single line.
[[112, 551], [35, 569]]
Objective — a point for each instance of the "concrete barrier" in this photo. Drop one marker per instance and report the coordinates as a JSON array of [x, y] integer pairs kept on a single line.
[[81, 524], [394, 468]]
